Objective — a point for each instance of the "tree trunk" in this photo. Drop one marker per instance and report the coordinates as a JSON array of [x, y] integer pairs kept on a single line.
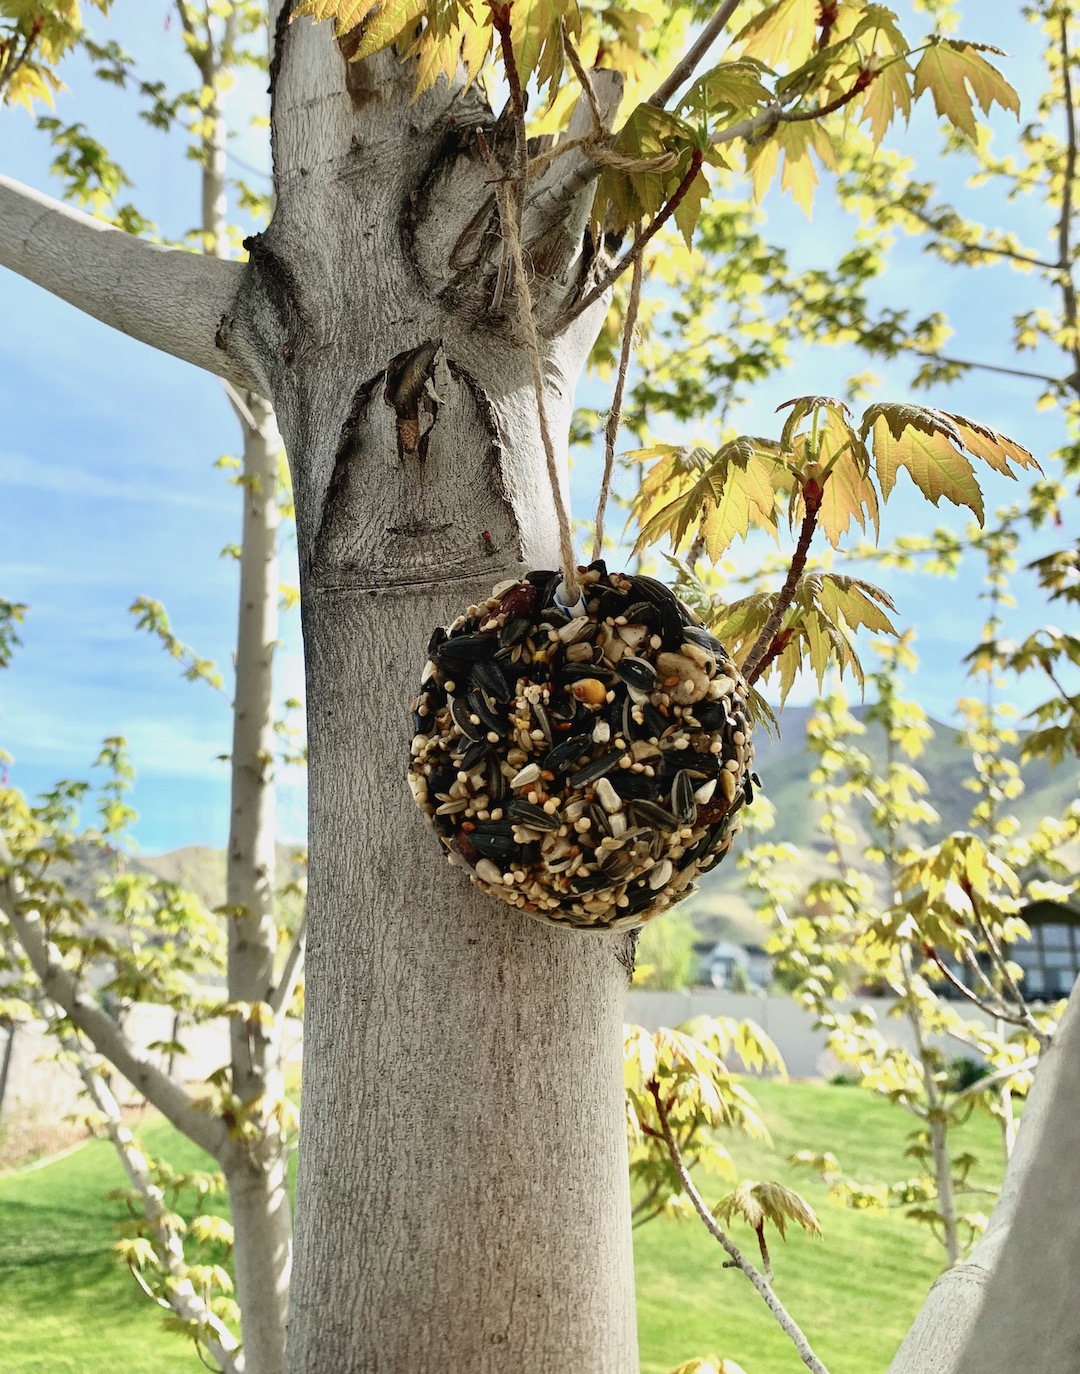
[[258, 1185], [463, 1108], [257, 1176], [1010, 1305]]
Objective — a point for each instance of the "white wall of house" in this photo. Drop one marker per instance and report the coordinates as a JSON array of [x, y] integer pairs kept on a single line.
[[788, 1025]]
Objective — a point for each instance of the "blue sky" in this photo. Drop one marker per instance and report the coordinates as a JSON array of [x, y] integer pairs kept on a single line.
[[108, 490]]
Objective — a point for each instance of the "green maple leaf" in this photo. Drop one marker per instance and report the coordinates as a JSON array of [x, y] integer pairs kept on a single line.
[[732, 88], [955, 73]]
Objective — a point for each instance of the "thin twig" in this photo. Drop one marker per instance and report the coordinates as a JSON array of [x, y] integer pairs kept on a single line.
[[756, 659], [611, 429], [585, 81], [973, 997], [1028, 259], [686, 68], [1002, 965], [1068, 287], [986, 367], [739, 1260], [281, 997], [640, 243]]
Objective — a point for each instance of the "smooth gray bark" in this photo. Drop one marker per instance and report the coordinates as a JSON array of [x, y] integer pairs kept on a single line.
[[1011, 1305], [462, 1200], [463, 1197], [258, 1186], [257, 1182], [163, 296]]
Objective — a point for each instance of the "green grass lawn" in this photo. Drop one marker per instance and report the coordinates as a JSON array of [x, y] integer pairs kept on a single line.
[[66, 1306]]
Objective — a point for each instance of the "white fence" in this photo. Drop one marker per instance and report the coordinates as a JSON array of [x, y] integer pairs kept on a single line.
[[41, 1091], [789, 1026]]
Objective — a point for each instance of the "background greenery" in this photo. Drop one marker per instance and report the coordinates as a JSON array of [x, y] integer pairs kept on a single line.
[[68, 1307]]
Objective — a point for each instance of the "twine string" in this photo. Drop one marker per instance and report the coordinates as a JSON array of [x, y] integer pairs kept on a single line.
[[532, 342], [611, 429]]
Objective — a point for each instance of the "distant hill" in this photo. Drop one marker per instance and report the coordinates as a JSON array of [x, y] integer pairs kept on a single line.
[[197, 868], [721, 910]]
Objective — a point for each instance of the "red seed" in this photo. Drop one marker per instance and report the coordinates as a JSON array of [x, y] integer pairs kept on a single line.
[[520, 601]]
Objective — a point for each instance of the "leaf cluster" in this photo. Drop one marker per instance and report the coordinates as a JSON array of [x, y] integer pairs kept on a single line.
[[687, 1068]]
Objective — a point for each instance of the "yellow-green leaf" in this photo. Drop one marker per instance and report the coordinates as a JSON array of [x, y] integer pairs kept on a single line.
[[888, 95], [927, 444], [956, 74], [783, 33]]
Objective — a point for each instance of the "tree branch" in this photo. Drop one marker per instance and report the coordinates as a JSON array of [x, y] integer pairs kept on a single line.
[[640, 242], [987, 367], [739, 1261], [281, 998], [205, 1130], [558, 203], [182, 1297], [760, 653], [162, 296], [686, 68]]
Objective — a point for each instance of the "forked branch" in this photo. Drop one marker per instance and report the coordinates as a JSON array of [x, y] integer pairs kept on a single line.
[[58, 984]]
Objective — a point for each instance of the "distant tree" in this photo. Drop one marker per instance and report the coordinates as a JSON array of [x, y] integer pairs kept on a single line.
[[244, 1125]]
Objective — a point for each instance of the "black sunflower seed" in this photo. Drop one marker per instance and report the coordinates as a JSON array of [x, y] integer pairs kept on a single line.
[[596, 768], [673, 616], [641, 613], [495, 846], [475, 754], [654, 723], [575, 672], [514, 631], [636, 672], [491, 678], [612, 602], [711, 715], [589, 882], [631, 786], [693, 634], [482, 706], [638, 897], [566, 752], [540, 578], [459, 710], [682, 797], [648, 813], [494, 782], [468, 648], [535, 817]]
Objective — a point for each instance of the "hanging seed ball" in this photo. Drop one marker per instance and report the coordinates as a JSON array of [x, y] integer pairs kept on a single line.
[[583, 767]]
